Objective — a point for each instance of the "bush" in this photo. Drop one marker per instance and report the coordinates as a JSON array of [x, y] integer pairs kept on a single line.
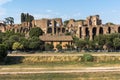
[[87, 58], [3, 52]]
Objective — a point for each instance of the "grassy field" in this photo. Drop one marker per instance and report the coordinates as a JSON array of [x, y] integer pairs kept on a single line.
[[69, 76], [111, 61], [62, 65]]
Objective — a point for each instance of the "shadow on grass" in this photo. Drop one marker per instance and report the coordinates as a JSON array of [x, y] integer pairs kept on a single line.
[[11, 60]]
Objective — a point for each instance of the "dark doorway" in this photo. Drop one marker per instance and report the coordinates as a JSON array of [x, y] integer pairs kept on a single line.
[[80, 32], [49, 30], [109, 30], [101, 30], [118, 29], [87, 32], [94, 32]]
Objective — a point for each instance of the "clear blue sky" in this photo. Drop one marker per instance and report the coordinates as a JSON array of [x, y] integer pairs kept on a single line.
[[109, 10]]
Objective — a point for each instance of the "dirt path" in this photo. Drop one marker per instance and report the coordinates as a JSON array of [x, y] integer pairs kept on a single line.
[[62, 54], [39, 70]]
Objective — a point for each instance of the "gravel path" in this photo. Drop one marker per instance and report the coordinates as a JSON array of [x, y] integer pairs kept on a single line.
[[39, 70], [61, 54]]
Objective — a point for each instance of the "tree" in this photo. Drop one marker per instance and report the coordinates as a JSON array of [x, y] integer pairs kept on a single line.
[[9, 20], [3, 52], [9, 44], [49, 47], [14, 38], [26, 17], [116, 43], [100, 40], [59, 46], [80, 44], [22, 17], [17, 46], [35, 43], [35, 32], [25, 42]]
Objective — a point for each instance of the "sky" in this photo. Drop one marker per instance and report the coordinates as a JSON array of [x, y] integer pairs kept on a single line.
[[109, 10]]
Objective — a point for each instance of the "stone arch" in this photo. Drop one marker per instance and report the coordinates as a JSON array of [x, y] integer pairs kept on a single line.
[[94, 31], [80, 32], [101, 30], [109, 30], [49, 30], [118, 29], [87, 32]]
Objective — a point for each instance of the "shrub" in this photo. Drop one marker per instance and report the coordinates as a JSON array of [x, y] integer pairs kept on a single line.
[[3, 52], [87, 58]]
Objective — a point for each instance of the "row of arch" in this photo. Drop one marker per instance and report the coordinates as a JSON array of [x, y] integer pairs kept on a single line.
[[94, 31], [20, 30], [55, 30]]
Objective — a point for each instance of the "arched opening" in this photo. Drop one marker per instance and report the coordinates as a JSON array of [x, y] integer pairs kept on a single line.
[[49, 30], [87, 32], [101, 30], [80, 32], [63, 30], [109, 30], [59, 30], [55, 30], [49, 23], [94, 32], [118, 29]]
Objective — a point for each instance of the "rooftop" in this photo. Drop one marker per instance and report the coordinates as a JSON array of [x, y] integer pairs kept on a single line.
[[56, 38]]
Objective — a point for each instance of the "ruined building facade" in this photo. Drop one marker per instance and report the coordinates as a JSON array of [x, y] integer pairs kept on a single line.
[[50, 26], [88, 28]]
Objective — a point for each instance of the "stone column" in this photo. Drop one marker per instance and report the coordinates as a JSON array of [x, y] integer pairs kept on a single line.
[[53, 27], [83, 33], [97, 31], [91, 34]]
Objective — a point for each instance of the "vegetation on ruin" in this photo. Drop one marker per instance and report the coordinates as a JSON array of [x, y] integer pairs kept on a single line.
[[35, 32]]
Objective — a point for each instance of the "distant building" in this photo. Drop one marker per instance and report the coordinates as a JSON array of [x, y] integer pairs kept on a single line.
[[88, 28], [55, 40]]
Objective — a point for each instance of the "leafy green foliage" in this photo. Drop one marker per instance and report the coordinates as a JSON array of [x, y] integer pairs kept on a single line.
[[3, 52], [116, 42], [26, 17], [35, 43], [35, 32], [49, 47], [87, 58], [59, 46], [9, 20], [17, 46]]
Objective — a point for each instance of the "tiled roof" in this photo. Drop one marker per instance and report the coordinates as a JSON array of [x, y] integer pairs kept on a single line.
[[56, 38]]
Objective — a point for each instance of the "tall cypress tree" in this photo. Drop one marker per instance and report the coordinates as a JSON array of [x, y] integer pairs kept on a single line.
[[22, 17]]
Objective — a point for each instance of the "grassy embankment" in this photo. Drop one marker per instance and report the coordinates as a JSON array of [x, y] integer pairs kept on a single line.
[[69, 76], [57, 60]]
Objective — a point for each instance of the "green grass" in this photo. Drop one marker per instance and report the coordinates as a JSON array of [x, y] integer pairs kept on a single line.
[[69, 76], [62, 65]]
